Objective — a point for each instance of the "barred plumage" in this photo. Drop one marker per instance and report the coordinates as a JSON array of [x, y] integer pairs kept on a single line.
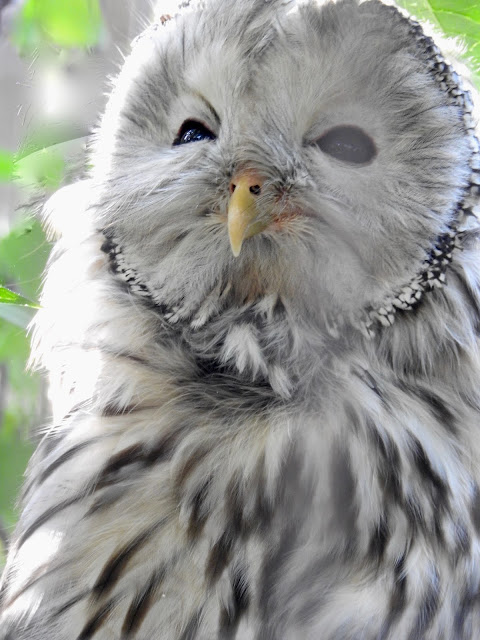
[[271, 435]]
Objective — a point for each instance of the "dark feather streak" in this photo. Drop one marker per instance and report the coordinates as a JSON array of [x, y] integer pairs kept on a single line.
[[65, 457], [264, 508], [231, 614], [427, 612], [191, 630], [66, 606], [113, 410], [379, 539], [97, 620], [439, 409], [389, 466], [235, 507], [219, 557], [429, 475], [272, 569], [48, 515], [398, 598], [469, 600], [189, 465], [106, 499], [198, 513], [39, 574], [116, 565], [138, 456], [141, 604], [126, 457], [475, 510]]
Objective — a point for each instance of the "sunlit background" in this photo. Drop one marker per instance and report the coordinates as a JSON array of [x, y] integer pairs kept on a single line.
[[55, 60]]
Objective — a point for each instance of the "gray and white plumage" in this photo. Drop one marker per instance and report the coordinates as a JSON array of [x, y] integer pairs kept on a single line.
[[283, 444]]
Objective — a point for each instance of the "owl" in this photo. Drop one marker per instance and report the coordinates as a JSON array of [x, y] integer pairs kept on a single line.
[[261, 327]]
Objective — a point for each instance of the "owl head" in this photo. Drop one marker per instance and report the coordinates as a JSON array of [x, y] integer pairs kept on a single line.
[[316, 153]]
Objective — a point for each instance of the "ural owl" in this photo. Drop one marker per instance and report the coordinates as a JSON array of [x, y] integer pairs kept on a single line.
[[261, 325]]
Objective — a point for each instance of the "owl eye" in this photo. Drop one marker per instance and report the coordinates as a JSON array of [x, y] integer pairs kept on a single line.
[[348, 144], [193, 131]]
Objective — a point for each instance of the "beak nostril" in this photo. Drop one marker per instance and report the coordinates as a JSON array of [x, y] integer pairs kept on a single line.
[[248, 181]]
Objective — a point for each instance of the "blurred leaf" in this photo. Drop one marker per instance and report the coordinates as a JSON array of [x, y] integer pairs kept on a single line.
[[7, 161], [52, 136], [65, 23], [14, 353], [13, 343], [44, 168], [23, 255], [20, 316], [21, 392], [15, 452], [457, 19], [3, 552]]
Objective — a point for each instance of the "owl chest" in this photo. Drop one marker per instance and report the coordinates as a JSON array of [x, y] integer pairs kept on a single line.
[[373, 499], [280, 532], [282, 522]]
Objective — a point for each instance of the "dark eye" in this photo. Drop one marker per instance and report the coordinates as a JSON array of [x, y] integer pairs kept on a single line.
[[349, 144], [193, 131]]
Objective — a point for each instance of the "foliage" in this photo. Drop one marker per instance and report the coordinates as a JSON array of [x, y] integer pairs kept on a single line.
[[7, 162], [76, 23], [456, 19], [23, 254], [44, 167]]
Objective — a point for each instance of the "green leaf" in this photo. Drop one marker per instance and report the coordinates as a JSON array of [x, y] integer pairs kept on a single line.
[[64, 23], [15, 451], [3, 552], [21, 391], [7, 162], [468, 8], [23, 386], [13, 343], [10, 297], [457, 19], [23, 255], [44, 168], [20, 316]]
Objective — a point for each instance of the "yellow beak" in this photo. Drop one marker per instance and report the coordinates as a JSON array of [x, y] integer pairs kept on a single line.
[[242, 211]]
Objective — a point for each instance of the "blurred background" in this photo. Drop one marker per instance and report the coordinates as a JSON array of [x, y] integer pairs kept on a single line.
[[55, 60]]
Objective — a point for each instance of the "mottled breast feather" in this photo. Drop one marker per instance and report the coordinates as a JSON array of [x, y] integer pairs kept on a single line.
[[274, 435]]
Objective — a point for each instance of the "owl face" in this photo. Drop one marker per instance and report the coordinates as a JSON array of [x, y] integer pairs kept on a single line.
[[277, 148]]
